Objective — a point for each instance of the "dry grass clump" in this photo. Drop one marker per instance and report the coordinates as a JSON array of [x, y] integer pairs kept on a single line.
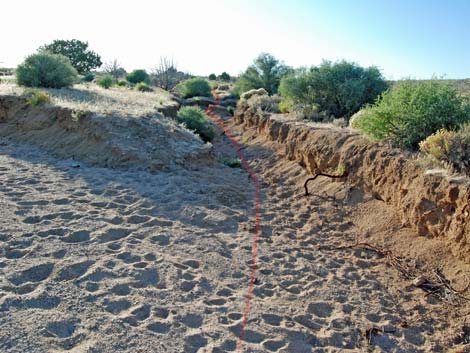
[[90, 97], [449, 148]]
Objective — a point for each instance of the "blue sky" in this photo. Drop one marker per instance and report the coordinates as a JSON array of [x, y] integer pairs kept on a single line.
[[413, 38]]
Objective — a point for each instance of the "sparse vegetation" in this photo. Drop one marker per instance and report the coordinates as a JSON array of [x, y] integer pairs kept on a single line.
[[232, 163], [105, 81], [265, 72], [412, 111], [333, 89], [143, 87], [114, 69], [166, 75], [195, 119], [81, 58], [195, 87], [46, 70], [36, 97], [451, 148], [138, 76]]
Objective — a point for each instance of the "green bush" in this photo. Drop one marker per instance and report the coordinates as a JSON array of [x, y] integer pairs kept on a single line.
[[88, 77], [195, 119], [224, 77], [196, 87], [138, 76], [46, 70], [105, 81], [122, 83], [232, 163], [412, 111], [339, 89], [212, 77], [265, 72], [36, 97], [143, 87], [450, 148]]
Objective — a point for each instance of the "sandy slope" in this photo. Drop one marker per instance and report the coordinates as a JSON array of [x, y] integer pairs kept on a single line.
[[102, 260]]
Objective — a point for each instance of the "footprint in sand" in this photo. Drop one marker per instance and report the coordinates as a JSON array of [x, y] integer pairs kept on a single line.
[[116, 306], [113, 234], [36, 273], [74, 271], [78, 236]]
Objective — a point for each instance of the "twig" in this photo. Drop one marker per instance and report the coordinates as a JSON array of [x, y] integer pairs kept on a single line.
[[345, 174]]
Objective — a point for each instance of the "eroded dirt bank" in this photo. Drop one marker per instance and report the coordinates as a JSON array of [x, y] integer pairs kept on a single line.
[[430, 203], [151, 142]]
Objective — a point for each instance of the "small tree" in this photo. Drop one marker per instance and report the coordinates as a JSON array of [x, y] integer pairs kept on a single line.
[[137, 76], [224, 77], [212, 77], [81, 58], [266, 72], [114, 69], [46, 70]]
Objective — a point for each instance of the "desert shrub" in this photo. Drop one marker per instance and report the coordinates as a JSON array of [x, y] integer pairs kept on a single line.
[[166, 74], [122, 83], [195, 119], [232, 163], [46, 70], [412, 111], [88, 77], [143, 87], [137, 76], [449, 147], [36, 97], [81, 58], [224, 77], [196, 87], [265, 103], [265, 72], [231, 110], [105, 81], [212, 77], [114, 69], [339, 89]]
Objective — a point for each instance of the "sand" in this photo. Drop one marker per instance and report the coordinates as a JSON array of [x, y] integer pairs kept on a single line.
[[110, 260]]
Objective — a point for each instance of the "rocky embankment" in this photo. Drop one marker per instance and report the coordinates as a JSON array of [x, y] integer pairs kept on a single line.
[[429, 201]]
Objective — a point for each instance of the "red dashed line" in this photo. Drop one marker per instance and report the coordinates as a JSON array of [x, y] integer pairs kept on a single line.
[[253, 176]]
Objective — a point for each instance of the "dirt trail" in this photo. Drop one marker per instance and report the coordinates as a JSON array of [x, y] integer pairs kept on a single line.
[[101, 260]]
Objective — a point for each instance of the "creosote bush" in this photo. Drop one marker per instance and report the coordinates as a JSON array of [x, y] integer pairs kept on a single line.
[[195, 87], [46, 70], [195, 119], [412, 111], [138, 76], [105, 81], [337, 89], [450, 148]]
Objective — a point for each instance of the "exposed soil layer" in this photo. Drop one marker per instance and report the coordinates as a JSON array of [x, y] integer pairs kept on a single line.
[[431, 203], [151, 143]]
